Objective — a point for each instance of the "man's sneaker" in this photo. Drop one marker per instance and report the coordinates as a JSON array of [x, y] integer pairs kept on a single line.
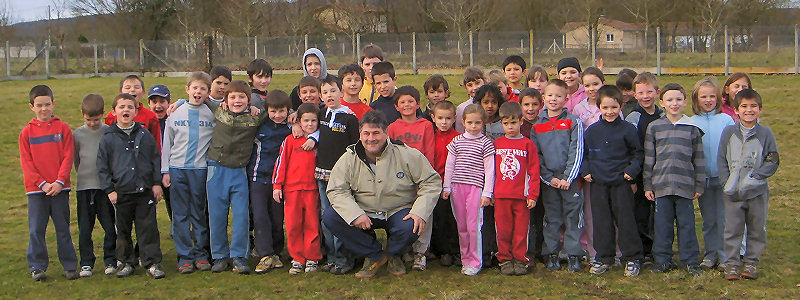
[[707, 264], [632, 268], [156, 271], [38, 275], [110, 269], [750, 271], [264, 265], [470, 271], [599, 268], [71, 275], [732, 273], [507, 267], [276, 261], [663, 268], [574, 264], [240, 266], [553, 263], [311, 266], [420, 262], [407, 257], [296, 268], [370, 267], [396, 266], [446, 260], [521, 267], [202, 265], [125, 271], [694, 270], [220, 265], [186, 269], [86, 271]]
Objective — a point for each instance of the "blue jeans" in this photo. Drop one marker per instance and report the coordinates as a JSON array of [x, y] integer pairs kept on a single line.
[[227, 190], [337, 254], [361, 243], [40, 209], [712, 208], [681, 211], [189, 210]]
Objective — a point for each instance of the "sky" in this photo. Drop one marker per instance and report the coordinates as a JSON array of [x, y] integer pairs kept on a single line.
[[29, 10]]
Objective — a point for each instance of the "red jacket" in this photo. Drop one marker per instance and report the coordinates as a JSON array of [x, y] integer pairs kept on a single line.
[[358, 108], [148, 119], [46, 152], [417, 135], [513, 95], [294, 169], [441, 140], [515, 161]]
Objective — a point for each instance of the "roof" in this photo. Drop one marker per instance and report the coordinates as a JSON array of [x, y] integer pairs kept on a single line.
[[624, 26]]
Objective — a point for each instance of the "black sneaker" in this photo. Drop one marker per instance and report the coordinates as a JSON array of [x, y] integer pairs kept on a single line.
[[220, 265], [446, 260], [38, 275], [553, 263], [71, 275], [663, 268], [694, 270], [574, 263], [240, 266]]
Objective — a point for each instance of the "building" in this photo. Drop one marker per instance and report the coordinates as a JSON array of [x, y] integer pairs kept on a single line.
[[611, 34]]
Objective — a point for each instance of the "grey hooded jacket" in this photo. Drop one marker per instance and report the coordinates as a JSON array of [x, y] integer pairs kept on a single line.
[[745, 162]]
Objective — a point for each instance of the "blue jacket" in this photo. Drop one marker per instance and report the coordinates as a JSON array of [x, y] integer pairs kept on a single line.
[[611, 149], [560, 144], [712, 124], [265, 150], [128, 164]]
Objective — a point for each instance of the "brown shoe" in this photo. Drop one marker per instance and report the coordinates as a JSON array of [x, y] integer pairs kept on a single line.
[[520, 268], [370, 267], [750, 272], [732, 273], [396, 266]]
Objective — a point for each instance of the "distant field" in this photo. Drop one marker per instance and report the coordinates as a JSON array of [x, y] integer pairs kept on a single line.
[[780, 269]]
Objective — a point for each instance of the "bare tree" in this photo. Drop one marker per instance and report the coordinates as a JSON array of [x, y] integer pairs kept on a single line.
[[463, 16], [649, 13], [5, 21], [709, 14], [591, 11]]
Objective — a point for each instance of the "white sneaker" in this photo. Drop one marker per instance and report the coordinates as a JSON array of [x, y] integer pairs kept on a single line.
[[470, 271], [86, 271], [110, 269]]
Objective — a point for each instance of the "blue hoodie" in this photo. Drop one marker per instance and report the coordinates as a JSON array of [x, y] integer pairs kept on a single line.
[[712, 124]]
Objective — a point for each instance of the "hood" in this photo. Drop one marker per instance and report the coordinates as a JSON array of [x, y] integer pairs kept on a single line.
[[324, 64], [685, 120]]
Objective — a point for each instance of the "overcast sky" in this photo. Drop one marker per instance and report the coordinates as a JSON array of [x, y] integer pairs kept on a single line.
[[29, 10]]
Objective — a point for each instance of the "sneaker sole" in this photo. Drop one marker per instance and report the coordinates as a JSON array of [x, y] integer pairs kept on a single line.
[[732, 278], [748, 276]]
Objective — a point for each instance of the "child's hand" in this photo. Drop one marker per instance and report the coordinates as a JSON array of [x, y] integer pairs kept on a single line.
[[627, 177], [697, 195], [47, 187], [555, 182], [308, 145], [292, 118], [172, 107], [564, 184], [277, 195], [633, 188], [112, 197], [649, 195], [588, 178], [485, 201], [165, 180], [297, 131], [157, 193], [445, 195], [223, 105], [55, 188], [531, 203], [254, 111]]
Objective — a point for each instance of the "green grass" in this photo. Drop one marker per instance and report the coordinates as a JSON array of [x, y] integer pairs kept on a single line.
[[778, 276]]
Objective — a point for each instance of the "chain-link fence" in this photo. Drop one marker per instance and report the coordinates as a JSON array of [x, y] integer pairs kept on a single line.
[[673, 48]]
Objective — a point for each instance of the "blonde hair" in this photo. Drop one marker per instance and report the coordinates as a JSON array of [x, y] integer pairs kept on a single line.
[[199, 76], [474, 109], [710, 81]]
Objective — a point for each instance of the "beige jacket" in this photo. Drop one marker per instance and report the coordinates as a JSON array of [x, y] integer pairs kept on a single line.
[[402, 178]]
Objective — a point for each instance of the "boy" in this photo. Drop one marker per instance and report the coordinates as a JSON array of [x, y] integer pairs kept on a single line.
[[158, 99], [436, 90], [559, 166], [625, 84], [337, 130], [444, 239], [473, 80], [674, 174], [612, 159], [133, 85], [385, 82], [352, 78], [184, 169], [516, 166], [92, 202], [515, 71], [221, 77], [495, 77], [748, 156], [308, 90], [46, 151], [315, 66], [259, 76], [267, 213], [569, 71], [370, 55], [645, 87], [128, 164]]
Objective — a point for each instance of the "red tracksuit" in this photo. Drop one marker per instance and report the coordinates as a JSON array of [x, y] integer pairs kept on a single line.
[[294, 175], [516, 166]]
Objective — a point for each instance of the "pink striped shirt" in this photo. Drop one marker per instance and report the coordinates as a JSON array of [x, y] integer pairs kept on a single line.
[[470, 160]]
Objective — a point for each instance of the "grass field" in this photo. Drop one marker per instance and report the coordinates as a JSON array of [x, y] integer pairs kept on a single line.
[[780, 269]]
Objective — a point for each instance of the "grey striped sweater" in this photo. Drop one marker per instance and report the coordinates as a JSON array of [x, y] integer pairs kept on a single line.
[[673, 158]]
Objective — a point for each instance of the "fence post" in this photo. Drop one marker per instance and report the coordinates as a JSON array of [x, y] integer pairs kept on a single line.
[[8, 59], [305, 40], [209, 43], [658, 50], [414, 51], [471, 57], [255, 47], [593, 44], [47, 59], [429, 47], [530, 44], [355, 51], [94, 46], [358, 43], [768, 43], [400, 47], [490, 45], [343, 50], [796, 57], [141, 54], [727, 51]]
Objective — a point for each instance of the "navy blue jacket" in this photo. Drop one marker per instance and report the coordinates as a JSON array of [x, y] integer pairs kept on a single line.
[[265, 150], [128, 164], [611, 149]]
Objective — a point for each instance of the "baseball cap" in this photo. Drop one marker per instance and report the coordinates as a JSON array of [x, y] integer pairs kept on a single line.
[[158, 90]]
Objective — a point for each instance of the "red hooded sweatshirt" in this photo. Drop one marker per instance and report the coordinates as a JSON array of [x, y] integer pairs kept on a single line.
[[46, 152]]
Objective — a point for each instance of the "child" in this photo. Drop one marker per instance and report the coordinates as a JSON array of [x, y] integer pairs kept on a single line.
[[469, 177], [92, 202], [736, 82], [612, 159], [259, 76], [473, 80], [516, 166], [268, 214], [314, 65], [707, 107], [436, 90], [385, 82], [301, 195], [514, 68], [338, 129], [46, 151], [128, 165], [221, 77], [569, 71], [495, 77], [645, 87], [133, 85], [537, 78], [559, 138], [158, 99], [308, 90], [674, 174], [490, 98], [748, 156], [184, 170], [352, 78], [444, 239], [625, 84], [531, 101], [370, 55]]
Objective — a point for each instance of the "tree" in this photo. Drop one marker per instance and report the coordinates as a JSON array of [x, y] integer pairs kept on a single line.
[[649, 13], [463, 16], [709, 14]]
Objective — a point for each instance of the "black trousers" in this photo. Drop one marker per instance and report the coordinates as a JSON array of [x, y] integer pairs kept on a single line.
[[94, 205], [444, 238], [643, 210], [535, 235], [139, 208], [489, 235], [267, 219], [614, 223]]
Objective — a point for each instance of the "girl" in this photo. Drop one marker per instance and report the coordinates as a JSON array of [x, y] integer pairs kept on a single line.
[[569, 71], [735, 83], [490, 98], [469, 177], [537, 78], [531, 101], [707, 106]]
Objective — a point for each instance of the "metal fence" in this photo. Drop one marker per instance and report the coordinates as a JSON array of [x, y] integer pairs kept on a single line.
[[661, 50]]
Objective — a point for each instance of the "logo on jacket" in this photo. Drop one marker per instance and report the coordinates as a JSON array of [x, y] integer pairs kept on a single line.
[[400, 174], [509, 166]]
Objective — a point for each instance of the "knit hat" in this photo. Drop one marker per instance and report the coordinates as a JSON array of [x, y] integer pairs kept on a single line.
[[569, 62]]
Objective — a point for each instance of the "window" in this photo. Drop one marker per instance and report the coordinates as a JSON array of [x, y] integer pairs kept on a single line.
[[610, 37]]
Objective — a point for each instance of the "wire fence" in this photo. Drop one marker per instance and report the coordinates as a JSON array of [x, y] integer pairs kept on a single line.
[[669, 49]]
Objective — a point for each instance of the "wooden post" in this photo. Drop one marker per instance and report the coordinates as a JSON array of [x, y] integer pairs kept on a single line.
[[8, 59], [530, 45], [658, 50], [94, 46], [727, 51], [414, 51], [141, 55], [471, 54], [47, 59]]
